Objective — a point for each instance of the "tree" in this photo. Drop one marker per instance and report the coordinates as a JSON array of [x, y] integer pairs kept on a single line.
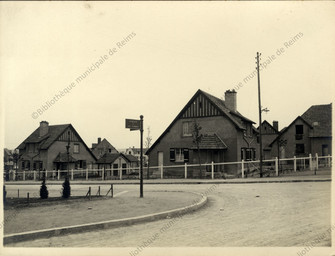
[[44, 193], [66, 188], [197, 138], [148, 140]]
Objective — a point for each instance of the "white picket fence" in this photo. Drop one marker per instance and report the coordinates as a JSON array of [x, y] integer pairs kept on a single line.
[[211, 170]]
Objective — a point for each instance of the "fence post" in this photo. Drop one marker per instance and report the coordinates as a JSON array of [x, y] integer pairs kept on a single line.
[[24, 175], [86, 173], [18, 193], [185, 170], [71, 174], [103, 173], [316, 161], [295, 163], [14, 174], [328, 160], [161, 171], [58, 174], [34, 175], [276, 167], [242, 168], [310, 162], [212, 169], [304, 164], [120, 172]]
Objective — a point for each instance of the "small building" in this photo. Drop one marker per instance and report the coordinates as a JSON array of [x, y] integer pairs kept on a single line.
[[102, 147], [226, 135], [118, 165], [309, 133], [46, 149], [269, 133], [136, 152]]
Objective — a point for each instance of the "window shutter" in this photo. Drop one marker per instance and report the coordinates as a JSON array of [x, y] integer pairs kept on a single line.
[[172, 155], [186, 155]]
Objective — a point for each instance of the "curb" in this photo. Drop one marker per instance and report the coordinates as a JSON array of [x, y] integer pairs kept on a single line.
[[180, 183], [47, 233]]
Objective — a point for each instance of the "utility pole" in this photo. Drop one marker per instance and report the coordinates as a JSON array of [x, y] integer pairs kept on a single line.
[[260, 119], [141, 160]]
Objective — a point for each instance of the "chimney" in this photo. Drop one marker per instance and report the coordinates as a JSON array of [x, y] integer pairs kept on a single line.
[[230, 100], [99, 140], [275, 125], [44, 128]]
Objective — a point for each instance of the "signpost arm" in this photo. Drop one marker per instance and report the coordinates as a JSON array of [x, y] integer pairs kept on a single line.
[[141, 158]]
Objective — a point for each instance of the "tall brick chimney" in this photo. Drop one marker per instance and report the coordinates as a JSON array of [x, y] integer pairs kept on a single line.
[[275, 125], [230, 100], [44, 128]]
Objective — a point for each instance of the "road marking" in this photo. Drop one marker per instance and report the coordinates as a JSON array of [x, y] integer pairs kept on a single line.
[[120, 193]]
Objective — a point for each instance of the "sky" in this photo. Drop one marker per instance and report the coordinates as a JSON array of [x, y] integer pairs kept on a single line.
[[169, 51]]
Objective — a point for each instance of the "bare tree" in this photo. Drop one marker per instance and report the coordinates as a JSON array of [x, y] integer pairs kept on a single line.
[[197, 138], [148, 140]]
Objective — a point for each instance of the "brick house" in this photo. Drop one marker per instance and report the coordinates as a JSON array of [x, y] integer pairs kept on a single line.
[[102, 147], [309, 133], [45, 149], [227, 135]]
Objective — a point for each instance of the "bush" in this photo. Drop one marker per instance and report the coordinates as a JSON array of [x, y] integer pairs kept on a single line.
[[66, 188], [44, 193]]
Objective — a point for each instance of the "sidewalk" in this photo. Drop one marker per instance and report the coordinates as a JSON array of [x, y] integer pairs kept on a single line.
[[310, 177]]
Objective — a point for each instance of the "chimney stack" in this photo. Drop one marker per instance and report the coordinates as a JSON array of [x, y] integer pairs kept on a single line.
[[99, 140], [275, 125], [44, 128], [230, 100]]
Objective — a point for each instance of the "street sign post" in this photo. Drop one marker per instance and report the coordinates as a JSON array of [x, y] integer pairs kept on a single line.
[[134, 125]]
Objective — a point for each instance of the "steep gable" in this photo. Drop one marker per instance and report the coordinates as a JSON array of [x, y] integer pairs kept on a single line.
[[320, 118]]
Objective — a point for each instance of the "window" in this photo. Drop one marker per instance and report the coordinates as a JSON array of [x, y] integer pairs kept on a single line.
[[22, 165], [110, 150], [299, 148], [179, 155], [299, 129], [187, 129], [248, 154], [76, 148], [124, 169]]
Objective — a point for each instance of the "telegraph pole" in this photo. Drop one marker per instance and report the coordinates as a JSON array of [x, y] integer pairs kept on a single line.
[[141, 160], [260, 119]]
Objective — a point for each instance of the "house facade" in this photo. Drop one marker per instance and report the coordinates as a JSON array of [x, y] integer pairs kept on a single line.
[[269, 134], [46, 149], [310, 133], [117, 165], [102, 147], [225, 135], [136, 152]]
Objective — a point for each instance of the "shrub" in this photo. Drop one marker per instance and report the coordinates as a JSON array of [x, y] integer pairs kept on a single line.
[[66, 188], [44, 193]]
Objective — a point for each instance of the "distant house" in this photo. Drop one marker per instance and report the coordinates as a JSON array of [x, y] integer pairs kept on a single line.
[[117, 164], [309, 133], [136, 152], [46, 148], [269, 133], [227, 135], [102, 147]]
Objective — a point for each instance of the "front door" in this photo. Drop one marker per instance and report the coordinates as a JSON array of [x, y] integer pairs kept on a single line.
[[160, 158]]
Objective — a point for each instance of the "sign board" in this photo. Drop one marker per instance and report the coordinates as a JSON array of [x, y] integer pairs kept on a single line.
[[133, 124]]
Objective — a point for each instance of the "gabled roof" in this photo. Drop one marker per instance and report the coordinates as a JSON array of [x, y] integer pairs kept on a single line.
[[62, 158], [131, 158], [54, 132], [109, 158], [320, 118], [211, 141], [268, 124], [235, 117]]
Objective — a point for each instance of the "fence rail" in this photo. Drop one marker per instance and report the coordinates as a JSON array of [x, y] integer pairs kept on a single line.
[[243, 169]]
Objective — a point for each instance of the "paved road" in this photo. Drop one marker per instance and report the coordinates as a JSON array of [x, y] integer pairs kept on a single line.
[[288, 214]]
